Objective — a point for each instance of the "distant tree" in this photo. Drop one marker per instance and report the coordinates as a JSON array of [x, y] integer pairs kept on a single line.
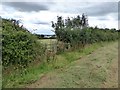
[[42, 36]]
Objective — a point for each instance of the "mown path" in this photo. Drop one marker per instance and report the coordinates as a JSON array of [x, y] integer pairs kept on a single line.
[[96, 70]]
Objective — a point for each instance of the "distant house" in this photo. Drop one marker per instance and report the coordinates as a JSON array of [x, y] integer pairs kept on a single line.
[[42, 36], [47, 36]]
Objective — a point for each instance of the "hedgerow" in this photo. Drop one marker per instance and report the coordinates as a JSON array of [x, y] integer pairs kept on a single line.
[[77, 32], [19, 46]]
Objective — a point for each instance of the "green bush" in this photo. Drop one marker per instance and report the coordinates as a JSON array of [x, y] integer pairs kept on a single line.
[[19, 47], [76, 33]]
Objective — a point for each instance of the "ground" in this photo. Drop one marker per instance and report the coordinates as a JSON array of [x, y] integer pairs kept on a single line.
[[98, 69]]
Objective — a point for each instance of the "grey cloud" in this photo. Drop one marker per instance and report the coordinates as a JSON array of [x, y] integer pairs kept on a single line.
[[103, 18], [91, 8], [119, 10], [45, 23], [28, 6], [102, 9], [18, 16], [37, 21]]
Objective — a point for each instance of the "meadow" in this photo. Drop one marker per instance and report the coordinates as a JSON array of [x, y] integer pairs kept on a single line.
[[28, 61], [65, 61]]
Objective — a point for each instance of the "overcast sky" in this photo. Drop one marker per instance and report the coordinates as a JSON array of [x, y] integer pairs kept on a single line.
[[37, 15]]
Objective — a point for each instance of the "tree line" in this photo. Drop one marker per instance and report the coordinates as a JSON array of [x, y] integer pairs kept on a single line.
[[77, 32]]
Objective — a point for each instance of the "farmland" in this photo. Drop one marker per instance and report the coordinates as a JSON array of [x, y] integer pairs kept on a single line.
[[80, 56], [95, 70], [73, 69], [47, 41]]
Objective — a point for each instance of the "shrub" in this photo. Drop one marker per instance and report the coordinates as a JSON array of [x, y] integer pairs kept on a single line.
[[73, 32], [19, 47]]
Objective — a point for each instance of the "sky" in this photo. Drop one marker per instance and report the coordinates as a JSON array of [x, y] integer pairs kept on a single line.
[[36, 15]]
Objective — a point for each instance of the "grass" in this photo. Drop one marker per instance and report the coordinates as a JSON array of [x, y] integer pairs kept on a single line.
[[91, 71], [33, 73], [67, 57]]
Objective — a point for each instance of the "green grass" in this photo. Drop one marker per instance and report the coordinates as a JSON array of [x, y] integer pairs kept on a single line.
[[67, 57], [32, 74], [91, 71], [35, 72], [84, 73]]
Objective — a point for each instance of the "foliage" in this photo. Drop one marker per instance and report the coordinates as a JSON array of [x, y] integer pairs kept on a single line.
[[76, 31], [35, 72], [19, 47]]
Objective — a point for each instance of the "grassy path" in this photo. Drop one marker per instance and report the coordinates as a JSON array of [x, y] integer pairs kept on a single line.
[[96, 70]]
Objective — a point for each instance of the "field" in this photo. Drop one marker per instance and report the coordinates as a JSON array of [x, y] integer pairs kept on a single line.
[[47, 41], [98, 69], [78, 58], [94, 66]]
